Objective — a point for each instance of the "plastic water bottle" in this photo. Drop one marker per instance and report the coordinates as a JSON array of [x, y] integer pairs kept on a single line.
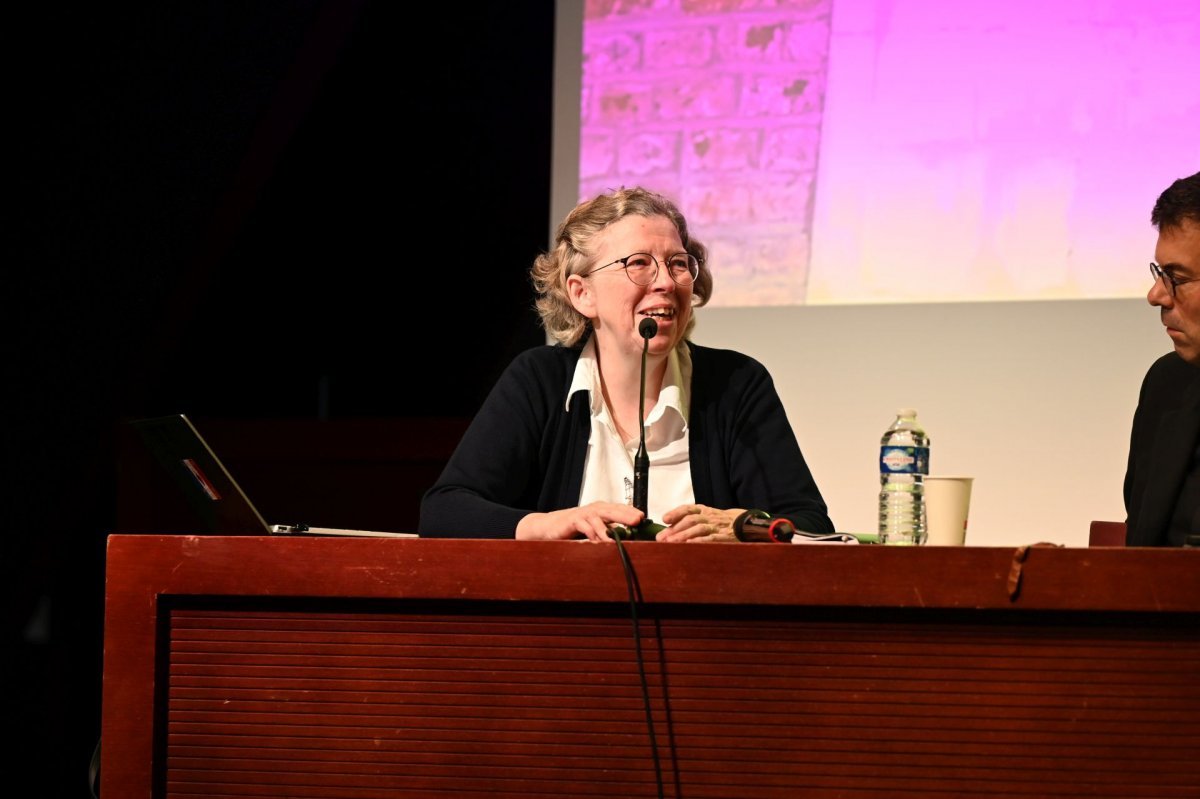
[[903, 464]]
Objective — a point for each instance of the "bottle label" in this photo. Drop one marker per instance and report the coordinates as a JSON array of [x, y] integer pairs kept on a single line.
[[904, 460]]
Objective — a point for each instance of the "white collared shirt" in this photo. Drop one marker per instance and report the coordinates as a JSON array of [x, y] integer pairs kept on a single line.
[[608, 468]]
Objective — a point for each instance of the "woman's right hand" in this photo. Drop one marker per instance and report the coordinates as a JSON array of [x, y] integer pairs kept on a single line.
[[591, 521]]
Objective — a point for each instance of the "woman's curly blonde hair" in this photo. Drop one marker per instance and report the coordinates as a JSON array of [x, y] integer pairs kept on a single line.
[[573, 254]]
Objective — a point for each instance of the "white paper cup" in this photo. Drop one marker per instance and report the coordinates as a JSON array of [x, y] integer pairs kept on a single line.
[[947, 500]]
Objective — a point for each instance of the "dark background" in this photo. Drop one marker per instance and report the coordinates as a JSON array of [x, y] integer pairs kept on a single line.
[[285, 219]]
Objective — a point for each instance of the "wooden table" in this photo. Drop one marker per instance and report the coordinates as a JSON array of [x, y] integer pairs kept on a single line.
[[371, 668]]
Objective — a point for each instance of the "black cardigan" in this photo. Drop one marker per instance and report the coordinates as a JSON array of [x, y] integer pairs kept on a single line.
[[523, 452]]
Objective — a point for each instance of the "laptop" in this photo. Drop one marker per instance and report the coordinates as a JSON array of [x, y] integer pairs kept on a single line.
[[218, 501]]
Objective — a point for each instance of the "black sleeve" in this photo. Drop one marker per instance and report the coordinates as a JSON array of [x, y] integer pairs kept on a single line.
[[1133, 474], [491, 481], [767, 470]]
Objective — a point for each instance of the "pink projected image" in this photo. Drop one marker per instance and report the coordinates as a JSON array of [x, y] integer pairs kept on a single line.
[[864, 151], [719, 108]]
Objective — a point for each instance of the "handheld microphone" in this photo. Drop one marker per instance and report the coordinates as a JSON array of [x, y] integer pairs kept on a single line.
[[648, 329], [759, 526]]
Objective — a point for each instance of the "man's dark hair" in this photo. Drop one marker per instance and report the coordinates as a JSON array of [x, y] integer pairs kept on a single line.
[[1180, 201]]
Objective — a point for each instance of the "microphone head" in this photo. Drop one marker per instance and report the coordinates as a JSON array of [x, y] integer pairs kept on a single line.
[[648, 328]]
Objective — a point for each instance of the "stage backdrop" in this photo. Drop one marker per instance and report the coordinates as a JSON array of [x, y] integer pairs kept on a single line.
[[944, 205]]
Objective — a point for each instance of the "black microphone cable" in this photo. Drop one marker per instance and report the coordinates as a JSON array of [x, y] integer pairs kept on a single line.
[[635, 596], [751, 525]]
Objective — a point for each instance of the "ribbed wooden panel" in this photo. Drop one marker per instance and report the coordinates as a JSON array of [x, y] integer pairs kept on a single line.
[[375, 705]]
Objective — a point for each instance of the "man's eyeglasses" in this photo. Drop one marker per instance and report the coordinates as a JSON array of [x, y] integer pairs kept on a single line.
[[642, 268], [1170, 280]]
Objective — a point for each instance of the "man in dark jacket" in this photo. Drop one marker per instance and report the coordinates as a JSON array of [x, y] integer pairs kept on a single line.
[[1162, 481]]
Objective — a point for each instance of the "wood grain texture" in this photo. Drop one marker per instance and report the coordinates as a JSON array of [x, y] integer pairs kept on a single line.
[[244, 667]]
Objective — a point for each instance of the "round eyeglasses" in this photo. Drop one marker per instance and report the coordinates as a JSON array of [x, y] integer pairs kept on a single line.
[[642, 268], [1170, 280]]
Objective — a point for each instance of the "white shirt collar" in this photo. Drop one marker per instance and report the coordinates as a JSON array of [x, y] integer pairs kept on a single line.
[[673, 394], [608, 467]]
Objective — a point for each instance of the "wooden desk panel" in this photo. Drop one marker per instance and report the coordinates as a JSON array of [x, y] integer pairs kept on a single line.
[[370, 668]]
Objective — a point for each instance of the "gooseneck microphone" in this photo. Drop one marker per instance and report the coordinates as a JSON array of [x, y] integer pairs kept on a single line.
[[648, 329]]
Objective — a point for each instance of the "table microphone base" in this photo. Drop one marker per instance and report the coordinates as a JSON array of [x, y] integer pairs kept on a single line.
[[646, 531]]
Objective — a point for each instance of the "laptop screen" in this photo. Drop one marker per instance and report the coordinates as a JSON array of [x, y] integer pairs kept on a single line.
[[219, 505]]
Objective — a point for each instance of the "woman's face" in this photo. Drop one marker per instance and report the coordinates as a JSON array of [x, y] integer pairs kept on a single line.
[[616, 305]]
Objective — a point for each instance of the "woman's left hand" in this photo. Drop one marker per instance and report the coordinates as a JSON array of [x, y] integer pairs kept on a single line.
[[698, 523]]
